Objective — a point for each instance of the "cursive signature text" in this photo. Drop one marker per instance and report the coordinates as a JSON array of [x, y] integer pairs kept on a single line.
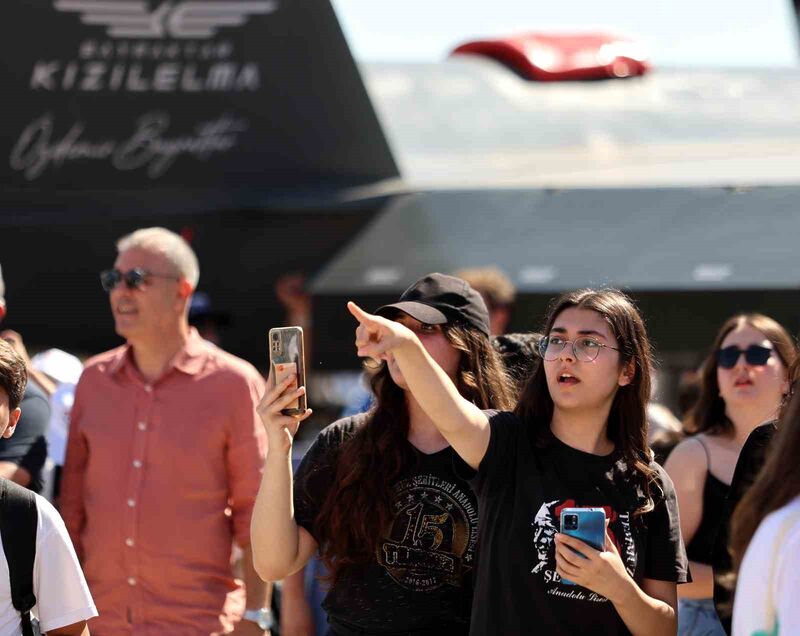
[[149, 147]]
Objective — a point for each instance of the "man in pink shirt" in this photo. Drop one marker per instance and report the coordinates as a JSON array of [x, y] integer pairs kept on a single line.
[[164, 459]]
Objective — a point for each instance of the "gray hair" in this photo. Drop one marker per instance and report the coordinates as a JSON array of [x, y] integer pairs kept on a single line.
[[172, 246]]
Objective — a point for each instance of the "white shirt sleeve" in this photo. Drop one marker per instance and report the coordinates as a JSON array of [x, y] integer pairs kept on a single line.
[[62, 595], [768, 580], [787, 586], [750, 611]]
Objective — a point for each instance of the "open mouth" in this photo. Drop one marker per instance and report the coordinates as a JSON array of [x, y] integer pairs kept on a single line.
[[568, 379]]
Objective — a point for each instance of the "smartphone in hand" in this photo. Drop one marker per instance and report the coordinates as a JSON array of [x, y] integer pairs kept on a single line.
[[586, 524], [286, 358]]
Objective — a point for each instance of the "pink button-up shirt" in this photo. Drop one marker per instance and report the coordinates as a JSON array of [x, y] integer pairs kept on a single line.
[[159, 480]]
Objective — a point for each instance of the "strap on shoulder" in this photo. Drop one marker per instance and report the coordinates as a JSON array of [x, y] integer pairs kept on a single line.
[[18, 521], [701, 439]]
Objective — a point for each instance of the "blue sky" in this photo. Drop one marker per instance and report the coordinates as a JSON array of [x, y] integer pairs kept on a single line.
[[677, 33]]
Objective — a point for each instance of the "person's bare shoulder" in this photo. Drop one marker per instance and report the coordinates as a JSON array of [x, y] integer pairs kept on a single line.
[[687, 460]]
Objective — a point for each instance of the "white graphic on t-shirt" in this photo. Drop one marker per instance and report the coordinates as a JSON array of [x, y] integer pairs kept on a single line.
[[545, 526], [544, 531], [619, 469], [628, 549]]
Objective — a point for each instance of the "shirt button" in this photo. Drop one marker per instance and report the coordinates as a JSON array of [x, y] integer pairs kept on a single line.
[[142, 426], [137, 463], [129, 542], [148, 388], [131, 581], [131, 503]]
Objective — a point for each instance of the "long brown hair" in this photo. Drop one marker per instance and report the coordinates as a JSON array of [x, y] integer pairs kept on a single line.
[[627, 419], [777, 484], [708, 414], [358, 505]]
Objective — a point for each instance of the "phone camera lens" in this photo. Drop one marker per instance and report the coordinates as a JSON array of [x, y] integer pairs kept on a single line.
[[571, 522]]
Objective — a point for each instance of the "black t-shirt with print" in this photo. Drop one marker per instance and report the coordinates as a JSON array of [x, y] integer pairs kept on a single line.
[[421, 578], [522, 488], [27, 448]]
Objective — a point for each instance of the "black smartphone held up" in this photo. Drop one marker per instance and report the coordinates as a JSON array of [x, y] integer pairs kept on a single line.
[[286, 358], [586, 524]]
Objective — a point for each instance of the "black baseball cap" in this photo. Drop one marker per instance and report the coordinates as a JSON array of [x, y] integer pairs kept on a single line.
[[439, 299]]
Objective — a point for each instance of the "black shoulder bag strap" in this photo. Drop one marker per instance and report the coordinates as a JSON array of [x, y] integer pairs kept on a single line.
[[18, 521]]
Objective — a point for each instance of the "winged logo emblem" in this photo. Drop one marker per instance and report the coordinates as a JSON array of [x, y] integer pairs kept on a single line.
[[134, 19]]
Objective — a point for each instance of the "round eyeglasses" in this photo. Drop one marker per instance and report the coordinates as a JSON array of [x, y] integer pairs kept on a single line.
[[583, 349]]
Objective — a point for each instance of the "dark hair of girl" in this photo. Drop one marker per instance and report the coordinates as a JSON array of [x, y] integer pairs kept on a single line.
[[13, 375], [627, 419], [708, 414], [358, 505], [777, 484]]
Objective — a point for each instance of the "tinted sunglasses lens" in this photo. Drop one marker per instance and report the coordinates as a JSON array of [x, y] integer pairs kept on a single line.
[[134, 278], [756, 355], [109, 279], [727, 357]]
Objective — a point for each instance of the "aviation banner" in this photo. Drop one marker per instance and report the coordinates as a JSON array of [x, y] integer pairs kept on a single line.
[[118, 94]]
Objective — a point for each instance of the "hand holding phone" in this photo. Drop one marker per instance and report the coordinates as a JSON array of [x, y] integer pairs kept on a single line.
[[286, 359], [586, 524]]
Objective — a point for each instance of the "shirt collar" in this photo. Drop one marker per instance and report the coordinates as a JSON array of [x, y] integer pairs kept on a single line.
[[192, 357], [119, 360], [189, 360]]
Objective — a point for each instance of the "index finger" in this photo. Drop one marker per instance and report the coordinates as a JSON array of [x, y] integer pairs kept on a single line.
[[362, 316]]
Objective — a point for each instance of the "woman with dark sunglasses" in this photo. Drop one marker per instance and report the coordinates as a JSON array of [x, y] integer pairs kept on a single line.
[[743, 383], [577, 438]]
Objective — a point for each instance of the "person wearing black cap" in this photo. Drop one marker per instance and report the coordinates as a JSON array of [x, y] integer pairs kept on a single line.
[[576, 439], [381, 494]]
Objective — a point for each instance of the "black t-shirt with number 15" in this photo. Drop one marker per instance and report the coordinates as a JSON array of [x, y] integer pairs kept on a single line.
[[522, 487], [420, 580]]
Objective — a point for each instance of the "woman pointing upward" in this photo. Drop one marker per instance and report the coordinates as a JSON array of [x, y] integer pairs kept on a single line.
[[577, 438]]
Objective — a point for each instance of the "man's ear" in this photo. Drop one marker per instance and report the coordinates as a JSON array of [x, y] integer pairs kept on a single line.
[[13, 418], [184, 288], [628, 373]]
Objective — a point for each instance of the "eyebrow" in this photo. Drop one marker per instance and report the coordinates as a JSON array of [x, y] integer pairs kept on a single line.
[[582, 332]]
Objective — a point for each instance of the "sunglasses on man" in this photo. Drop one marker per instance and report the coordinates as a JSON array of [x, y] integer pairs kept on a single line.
[[755, 355], [134, 278]]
